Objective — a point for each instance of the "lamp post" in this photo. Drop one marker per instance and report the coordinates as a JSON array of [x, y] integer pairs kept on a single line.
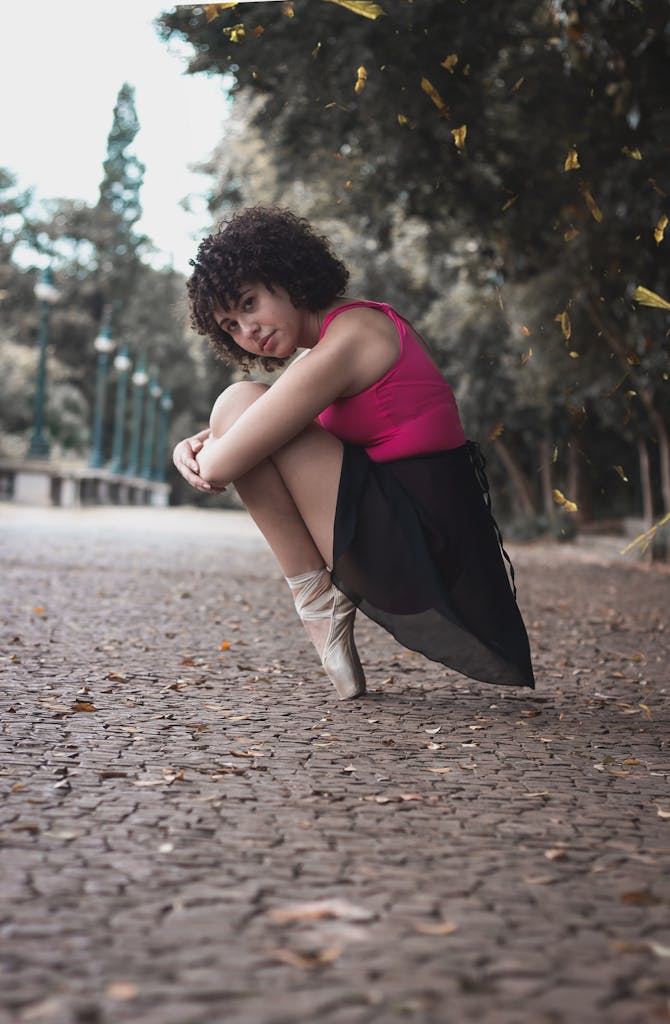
[[122, 364], [47, 294], [139, 379], [155, 392], [166, 404], [103, 345]]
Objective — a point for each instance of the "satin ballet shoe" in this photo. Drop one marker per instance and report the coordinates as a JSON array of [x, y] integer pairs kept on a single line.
[[328, 616]]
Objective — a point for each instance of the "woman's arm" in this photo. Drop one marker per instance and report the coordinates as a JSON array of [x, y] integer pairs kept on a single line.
[[339, 364]]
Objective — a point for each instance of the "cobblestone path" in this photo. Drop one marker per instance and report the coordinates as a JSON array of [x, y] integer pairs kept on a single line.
[[194, 831]]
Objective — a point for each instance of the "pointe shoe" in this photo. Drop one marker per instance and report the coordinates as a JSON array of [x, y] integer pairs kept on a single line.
[[328, 616]]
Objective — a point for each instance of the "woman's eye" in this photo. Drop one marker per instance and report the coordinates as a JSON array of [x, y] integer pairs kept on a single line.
[[232, 326]]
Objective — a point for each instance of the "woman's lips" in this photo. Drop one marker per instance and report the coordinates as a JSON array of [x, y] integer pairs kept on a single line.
[[265, 340]]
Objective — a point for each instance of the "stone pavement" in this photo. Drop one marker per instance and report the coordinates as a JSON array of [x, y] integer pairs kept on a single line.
[[194, 831]]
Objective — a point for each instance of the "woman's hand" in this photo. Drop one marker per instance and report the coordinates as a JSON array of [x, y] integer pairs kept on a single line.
[[184, 458]]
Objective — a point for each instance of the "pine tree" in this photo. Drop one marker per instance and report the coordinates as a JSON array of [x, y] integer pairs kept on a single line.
[[119, 207]]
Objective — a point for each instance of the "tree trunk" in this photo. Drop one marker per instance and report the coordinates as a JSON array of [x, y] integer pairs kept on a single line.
[[645, 395], [520, 483], [546, 479], [647, 491]]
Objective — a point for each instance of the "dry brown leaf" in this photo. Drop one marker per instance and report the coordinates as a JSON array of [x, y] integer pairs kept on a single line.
[[571, 160], [320, 910], [365, 8], [661, 812], [439, 771], [640, 898], [435, 927], [564, 320], [83, 705], [450, 62], [39, 610], [556, 854], [307, 960], [122, 990], [659, 230], [593, 207], [431, 91], [459, 135]]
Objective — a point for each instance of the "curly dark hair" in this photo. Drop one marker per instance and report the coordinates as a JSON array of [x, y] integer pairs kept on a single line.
[[266, 245]]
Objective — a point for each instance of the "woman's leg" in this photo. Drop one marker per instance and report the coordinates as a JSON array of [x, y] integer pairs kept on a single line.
[[292, 497]]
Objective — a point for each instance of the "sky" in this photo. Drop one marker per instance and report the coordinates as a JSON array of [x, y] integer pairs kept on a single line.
[[61, 67]]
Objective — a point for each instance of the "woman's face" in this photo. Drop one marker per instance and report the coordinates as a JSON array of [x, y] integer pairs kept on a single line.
[[265, 323]]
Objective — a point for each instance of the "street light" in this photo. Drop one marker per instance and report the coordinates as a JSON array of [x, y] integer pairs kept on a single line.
[[46, 294], [166, 404], [155, 392], [122, 364], [103, 345], [139, 379]]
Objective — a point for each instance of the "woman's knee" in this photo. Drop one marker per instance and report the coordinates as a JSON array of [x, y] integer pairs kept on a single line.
[[232, 402]]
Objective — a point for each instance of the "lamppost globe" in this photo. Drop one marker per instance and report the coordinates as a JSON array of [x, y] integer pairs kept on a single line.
[[166, 402], [45, 289], [103, 344], [122, 362], [155, 390], [140, 378]]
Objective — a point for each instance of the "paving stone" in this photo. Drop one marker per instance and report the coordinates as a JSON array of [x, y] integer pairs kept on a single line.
[[150, 843]]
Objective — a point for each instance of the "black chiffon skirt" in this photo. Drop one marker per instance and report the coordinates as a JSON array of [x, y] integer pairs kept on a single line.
[[417, 549]]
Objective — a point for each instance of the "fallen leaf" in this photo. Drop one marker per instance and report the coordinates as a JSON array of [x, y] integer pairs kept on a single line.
[[640, 898], [435, 927], [659, 230], [593, 207], [459, 135], [39, 610], [321, 910], [122, 990], [433, 730], [439, 771], [225, 646], [83, 705], [556, 854], [306, 960], [661, 813], [571, 160], [431, 91], [648, 298]]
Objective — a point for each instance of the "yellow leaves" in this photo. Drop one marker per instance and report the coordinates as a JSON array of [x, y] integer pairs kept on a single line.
[[564, 320], [620, 471], [593, 207], [634, 154], [525, 356], [510, 202], [563, 502], [225, 646], [571, 160], [570, 234], [459, 135], [648, 298], [289, 10], [431, 91], [402, 119], [517, 85], [645, 539], [39, 610], [235, 33], [361, 79], [450, 62], [496, 432], [365, 8], [212, 11], [525, 330], [659, 230]]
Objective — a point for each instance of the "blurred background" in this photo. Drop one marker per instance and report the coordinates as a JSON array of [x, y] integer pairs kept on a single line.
[[500, 177]]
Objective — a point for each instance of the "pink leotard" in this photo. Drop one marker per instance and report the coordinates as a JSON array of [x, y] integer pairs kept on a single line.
[[411, 410]]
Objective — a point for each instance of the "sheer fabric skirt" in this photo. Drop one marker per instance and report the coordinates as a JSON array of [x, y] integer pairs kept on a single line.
[[416, 548]]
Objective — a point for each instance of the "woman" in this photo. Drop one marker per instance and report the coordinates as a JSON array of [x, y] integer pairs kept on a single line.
[[354, 463]]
